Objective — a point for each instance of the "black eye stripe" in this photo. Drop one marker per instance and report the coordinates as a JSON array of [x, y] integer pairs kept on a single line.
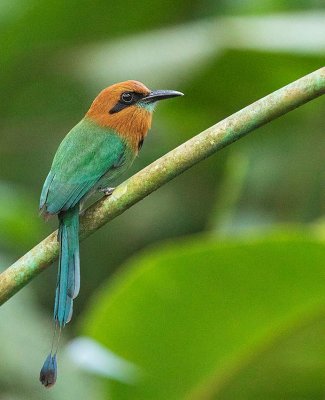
[[126, 100]]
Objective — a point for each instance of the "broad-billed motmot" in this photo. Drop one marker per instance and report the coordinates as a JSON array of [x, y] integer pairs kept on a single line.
[[95, 152]]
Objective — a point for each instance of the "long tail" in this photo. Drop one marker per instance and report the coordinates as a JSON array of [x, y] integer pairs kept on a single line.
[[68, 282], [67, 287]]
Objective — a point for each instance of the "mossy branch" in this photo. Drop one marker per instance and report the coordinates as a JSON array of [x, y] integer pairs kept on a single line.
[[164, 169]]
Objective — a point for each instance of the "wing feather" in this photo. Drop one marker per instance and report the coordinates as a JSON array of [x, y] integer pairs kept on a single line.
[[86, 154]]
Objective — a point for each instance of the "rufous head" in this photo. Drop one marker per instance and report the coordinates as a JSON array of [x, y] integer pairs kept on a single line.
[[127, 107]]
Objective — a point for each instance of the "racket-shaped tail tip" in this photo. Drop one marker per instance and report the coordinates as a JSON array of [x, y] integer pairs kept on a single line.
[[49, 371]]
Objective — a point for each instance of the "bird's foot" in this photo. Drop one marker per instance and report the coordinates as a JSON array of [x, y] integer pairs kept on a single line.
[[107, 191]]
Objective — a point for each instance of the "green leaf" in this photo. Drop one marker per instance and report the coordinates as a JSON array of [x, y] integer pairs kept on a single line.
[[205, 317]]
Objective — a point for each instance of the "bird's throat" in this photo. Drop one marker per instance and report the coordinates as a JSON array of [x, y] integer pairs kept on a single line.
[[132, 123]]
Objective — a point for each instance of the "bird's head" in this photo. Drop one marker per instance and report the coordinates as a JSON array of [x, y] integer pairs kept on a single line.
[[127, 107]]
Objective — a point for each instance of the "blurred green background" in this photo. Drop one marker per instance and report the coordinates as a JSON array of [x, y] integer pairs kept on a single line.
[[213, 286]]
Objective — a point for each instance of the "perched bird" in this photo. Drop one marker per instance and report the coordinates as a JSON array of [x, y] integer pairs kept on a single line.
[[95, 152]]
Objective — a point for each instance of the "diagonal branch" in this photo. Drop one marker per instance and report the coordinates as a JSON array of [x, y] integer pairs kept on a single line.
[[164, 169]]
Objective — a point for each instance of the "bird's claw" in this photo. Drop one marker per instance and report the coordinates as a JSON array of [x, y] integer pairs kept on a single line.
[[107, 191]]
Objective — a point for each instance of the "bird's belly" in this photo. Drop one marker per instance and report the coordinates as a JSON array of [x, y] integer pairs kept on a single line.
[[112, 174]]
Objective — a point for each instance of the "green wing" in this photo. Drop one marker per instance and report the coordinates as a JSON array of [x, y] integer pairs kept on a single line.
[[86, 154]]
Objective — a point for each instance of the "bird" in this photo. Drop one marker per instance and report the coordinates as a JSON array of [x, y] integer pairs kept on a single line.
[[95, 152]]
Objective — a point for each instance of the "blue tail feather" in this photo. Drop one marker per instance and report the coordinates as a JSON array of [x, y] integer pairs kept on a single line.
[[68, 282]]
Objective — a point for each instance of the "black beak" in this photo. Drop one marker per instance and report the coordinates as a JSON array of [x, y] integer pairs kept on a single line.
[[160, 95]]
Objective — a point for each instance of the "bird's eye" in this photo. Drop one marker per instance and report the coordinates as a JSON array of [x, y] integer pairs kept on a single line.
[[127, 97]]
